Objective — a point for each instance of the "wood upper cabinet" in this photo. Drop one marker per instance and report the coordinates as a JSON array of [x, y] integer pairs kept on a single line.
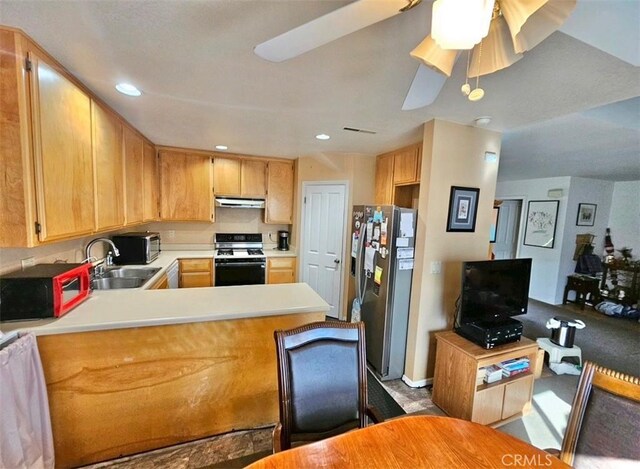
[[226, 176], [134, 179], [405, 165], [384, 179], [151, 186], [186, 182], [253, 178], [109, 170], [279, 203], [63, 160]]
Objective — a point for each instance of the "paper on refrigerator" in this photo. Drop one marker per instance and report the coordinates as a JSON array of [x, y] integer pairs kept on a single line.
[[369, 254], [406, 225]]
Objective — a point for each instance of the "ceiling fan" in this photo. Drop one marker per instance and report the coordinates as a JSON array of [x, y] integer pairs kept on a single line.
[[510, 28]]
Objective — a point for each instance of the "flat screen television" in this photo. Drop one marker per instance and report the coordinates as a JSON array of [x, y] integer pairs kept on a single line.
[[494, 291]]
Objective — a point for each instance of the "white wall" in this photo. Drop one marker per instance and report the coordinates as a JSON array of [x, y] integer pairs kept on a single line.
[[624, 219], [551, 266]]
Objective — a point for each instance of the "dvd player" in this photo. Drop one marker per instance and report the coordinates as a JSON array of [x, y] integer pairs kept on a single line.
[[490, 334]]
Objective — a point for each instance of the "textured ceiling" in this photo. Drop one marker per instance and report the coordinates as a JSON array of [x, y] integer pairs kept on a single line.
[[203, 85]]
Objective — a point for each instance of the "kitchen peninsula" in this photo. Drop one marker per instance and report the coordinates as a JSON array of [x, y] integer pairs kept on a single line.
[[133, 370]]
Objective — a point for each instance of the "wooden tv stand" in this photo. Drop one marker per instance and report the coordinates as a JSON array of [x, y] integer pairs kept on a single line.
[[454, 383]]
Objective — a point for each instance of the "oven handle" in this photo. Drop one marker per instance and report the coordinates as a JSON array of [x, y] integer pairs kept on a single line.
[[241, 263]]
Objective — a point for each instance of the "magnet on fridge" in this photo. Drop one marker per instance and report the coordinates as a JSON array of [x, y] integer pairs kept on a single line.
[[376, 233], [383, 234], [377, 216], [378, 275]]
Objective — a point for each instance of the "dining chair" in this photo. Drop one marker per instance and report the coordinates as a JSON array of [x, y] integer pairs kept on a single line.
[[322, 382], [604, 424]]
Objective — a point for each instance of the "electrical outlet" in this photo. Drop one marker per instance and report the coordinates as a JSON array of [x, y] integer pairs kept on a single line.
[[436, 267], [28, 262], [171, 234]]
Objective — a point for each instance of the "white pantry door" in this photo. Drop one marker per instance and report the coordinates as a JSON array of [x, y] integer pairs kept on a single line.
[[323, 215]]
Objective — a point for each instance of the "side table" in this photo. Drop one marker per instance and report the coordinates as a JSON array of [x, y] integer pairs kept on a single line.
[[583, 286]]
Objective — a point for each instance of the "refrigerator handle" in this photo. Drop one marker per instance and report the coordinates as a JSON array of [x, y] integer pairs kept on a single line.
[[359, 292]]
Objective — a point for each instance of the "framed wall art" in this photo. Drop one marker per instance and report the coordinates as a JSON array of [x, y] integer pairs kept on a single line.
[[586, 214], [495, 216], [463, 208], [542, 218]]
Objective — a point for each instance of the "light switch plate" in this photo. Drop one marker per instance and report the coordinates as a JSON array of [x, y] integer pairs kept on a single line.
[[171, 234], [436, 267], [28, 262]]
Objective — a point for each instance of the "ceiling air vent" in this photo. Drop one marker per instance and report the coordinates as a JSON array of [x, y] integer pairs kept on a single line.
[[362, 131]]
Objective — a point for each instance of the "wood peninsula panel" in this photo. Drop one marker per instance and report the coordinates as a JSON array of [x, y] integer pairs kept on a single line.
[[108, 160], [119, 392], [226, 176], [185, 186], [17, 208], [253, 180], [62, 153], [384, 179], [279, 204], [134, 175], [150, 177]]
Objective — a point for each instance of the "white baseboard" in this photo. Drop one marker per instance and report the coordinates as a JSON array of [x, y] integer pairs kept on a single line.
[[417, 384]]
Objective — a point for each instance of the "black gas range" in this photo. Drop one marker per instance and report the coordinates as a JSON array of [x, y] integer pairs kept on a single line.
[[239, 259]]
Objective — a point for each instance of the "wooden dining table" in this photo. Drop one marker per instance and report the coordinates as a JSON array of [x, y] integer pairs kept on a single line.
[[415, 442]]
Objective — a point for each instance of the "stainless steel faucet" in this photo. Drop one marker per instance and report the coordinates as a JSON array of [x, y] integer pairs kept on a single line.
[[108, 258]]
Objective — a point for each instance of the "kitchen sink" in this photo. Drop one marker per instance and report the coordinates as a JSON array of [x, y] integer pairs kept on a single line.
[[121, 272], [120, 277]]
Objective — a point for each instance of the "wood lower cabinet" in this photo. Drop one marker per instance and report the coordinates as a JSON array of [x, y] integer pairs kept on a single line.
[[186, 186], [109, 168], [281, 270], [456, 391], [161, 284], [196, 273], [61, 119], [280, 183]]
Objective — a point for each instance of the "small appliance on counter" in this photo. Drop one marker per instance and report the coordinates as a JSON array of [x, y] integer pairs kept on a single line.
[[137, 247], [43, 291], [283, 240]]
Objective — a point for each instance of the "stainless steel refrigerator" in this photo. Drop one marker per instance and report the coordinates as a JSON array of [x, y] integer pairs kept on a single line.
[[382, 256]]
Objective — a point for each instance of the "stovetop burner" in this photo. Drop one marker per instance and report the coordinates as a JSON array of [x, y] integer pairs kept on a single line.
[[225, 252], [255, 252]]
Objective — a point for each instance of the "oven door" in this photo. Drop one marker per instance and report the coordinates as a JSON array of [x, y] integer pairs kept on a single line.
[[240, 272]]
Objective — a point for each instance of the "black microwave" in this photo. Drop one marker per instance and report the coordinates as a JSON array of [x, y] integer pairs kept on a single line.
[[137, 247]]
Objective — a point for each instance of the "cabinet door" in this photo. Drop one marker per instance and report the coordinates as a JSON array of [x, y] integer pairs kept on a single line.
[[253, 178], [487, 405], [405, 165], [281, 270], [161, 284], [109, 169], [517, 396], [384, 179], [279, 204], [62, 153], [150, 177], [185, 187], [134, 180], [226, 176]]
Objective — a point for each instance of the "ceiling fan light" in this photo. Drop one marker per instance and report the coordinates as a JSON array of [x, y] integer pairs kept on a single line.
[[476, 95], [433, 56], [497, 51], [460, 24], [531, 22]]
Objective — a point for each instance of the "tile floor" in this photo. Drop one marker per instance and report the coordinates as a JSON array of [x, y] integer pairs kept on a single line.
[[234, 449]]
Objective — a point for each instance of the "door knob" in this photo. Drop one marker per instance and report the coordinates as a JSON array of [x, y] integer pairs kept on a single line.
[[337, 261]]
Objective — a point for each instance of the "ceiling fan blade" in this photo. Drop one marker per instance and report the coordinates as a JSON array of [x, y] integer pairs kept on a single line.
[[425, 88], [327, 28]]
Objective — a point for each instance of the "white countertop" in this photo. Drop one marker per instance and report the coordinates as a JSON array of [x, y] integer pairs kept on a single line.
[[137, 307]]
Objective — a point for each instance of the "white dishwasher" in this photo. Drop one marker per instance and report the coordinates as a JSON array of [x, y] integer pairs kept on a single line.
[[172, 275]]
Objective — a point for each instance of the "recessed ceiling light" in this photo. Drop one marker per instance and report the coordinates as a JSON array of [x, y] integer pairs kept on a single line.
[[222, 147], [482, 120], [129, 90], [323, 137]]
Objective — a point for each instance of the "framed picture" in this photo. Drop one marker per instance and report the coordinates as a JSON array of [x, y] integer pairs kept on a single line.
[[542, 218], [463, 208], [586, 214], [495, 214]]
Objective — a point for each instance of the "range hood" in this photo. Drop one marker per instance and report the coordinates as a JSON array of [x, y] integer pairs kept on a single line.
[[238, 202]]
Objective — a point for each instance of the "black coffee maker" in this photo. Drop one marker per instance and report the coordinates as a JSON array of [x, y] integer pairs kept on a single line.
[[283, 240]]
